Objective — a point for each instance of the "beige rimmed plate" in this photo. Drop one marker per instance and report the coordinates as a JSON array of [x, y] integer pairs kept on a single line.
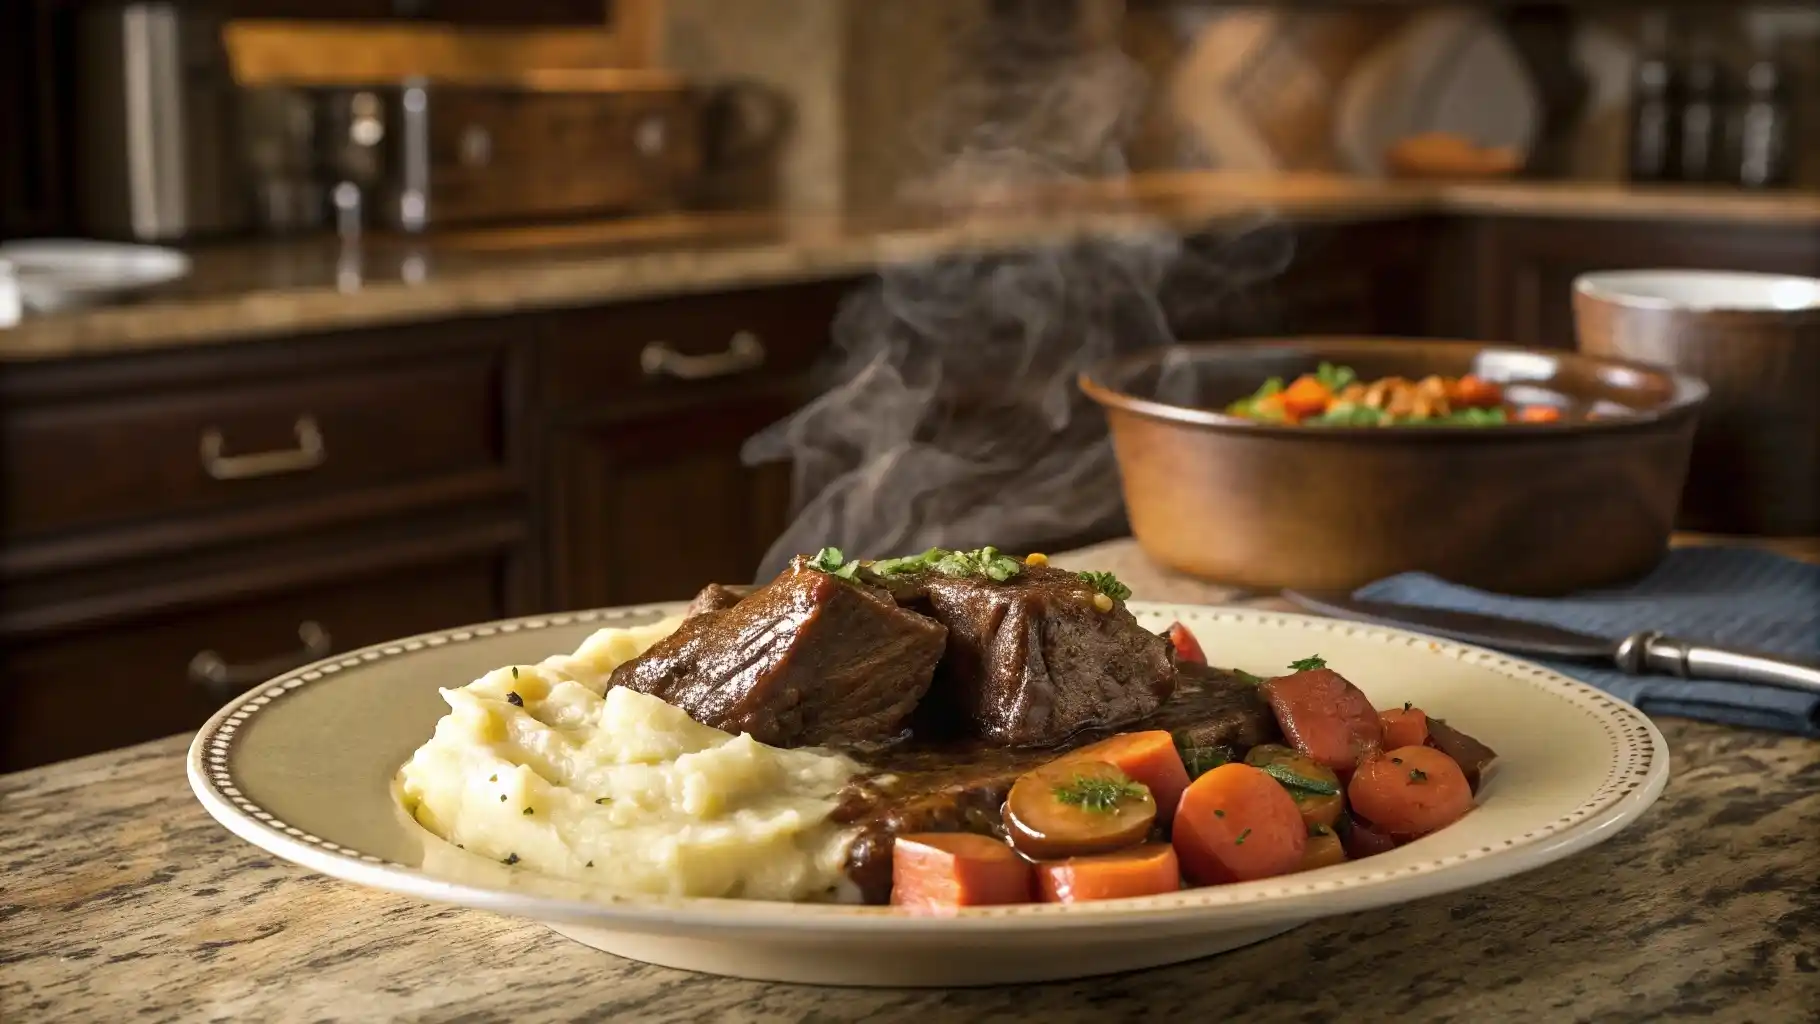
[[303, 766]]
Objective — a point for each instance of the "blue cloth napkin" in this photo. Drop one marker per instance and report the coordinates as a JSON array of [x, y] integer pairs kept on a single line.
[[1736, 597]]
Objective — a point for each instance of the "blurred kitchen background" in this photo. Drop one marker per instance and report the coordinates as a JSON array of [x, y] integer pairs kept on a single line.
[[328, 321]]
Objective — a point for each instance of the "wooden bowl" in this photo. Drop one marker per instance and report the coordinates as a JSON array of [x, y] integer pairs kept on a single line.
[[1755, 340], [1534, 509]]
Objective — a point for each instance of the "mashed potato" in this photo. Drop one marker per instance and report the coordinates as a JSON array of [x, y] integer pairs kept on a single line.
[[535, 767]]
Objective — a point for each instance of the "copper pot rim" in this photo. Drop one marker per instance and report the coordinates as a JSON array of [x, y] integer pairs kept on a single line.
[[1689, 392]]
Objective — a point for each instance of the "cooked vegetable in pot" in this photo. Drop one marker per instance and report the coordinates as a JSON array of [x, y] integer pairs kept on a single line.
[[1333, 396], [1236, 824], [1410, 791], [1313, 786], [1140, 871]]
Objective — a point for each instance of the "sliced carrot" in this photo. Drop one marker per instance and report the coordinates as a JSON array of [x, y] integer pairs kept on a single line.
[[1539, 414], [937, 871], [1187, 648], [1236, 824], [1470, 392], [1410, 791], [1140, 871], [1405, 726], [1146, 757], [1325, 717], [1324, 850], [1363, 839], [1306, 397]]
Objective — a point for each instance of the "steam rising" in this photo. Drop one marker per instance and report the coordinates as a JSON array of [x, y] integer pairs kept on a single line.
[[954, 418]]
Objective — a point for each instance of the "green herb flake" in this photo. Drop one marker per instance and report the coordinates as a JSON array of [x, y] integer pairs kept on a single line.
[[514, 671], [907, 563], [1107, 584], [987, 561], [1309, 664], [1240, 841], [1218, 813], [1246, 677], [1396, 760], [528, 812], [511, 859], [1406, 705], [603, 800], [1418, 775], [1099, 794], [493, 778], [590, 863], [1316, 831], [1295, 780], [832, 562], [502, 798], [514, 699]]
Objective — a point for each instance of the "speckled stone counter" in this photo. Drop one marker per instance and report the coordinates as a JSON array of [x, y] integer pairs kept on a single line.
[[253, 290], [121, 900]]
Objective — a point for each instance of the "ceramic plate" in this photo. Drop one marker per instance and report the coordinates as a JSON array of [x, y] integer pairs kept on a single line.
[[303, 766], [57, 274]]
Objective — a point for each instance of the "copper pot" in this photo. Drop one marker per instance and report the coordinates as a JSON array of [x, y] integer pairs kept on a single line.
[[1535, 509]]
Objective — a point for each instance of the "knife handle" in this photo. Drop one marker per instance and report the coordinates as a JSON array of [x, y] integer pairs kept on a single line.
[[1651, 653]]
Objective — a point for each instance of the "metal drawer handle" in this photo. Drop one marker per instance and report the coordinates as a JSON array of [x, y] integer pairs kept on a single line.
[[308, 454], [744, 353], [212, 672]]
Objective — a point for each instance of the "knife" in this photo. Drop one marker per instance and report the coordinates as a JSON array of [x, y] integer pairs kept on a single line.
[[1639, 654]]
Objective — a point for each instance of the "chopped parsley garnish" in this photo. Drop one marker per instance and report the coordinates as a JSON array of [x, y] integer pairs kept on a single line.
[[1240, 841], [988, 561], [1098, 793], [1335, 378], [1318, 830], [1406, 705], [1246, 677], [1309, 664], [590, 863], [1107, 584], [1418, 775], [514, 699], [603, 799], [511, 858], [502, 798], [1218, 813], [528, 811], [514, 671], [493, 778], [1396, 760], [832, 562]]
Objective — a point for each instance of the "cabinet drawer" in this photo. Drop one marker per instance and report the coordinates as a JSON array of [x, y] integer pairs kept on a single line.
[[687, 346], [88, 463], [79, 693]]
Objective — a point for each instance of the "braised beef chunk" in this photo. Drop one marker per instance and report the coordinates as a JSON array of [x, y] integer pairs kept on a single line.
[[960, 785], [1031, 660], [807, 659], [718, 597]]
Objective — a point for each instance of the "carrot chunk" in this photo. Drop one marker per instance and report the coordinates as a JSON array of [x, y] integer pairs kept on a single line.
[[1539, 414], [1236, 823], [1146, 757], [1325, 717], [1405, 727], [1187, 648], [1410, 791], [936, 871], [1141, 871], [1306, 397], [1470, 392]]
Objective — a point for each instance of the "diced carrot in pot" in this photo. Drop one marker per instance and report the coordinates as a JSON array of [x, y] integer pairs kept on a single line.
[[1149, 758], [1470, 392], [1325, 716], [1306, 397], [1539, 414], [1410, 791], [1405, 726], [1140, 871], [1236, 824], [936, 871]]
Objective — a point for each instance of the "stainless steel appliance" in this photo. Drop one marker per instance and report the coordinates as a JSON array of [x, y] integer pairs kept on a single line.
[[158, 153]]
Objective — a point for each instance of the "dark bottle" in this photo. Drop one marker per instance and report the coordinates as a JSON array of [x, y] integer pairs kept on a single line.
[[1700, 132], [1766, 126], [1652, 108]]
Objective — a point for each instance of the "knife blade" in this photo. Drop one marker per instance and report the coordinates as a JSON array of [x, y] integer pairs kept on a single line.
[[1643, 653]]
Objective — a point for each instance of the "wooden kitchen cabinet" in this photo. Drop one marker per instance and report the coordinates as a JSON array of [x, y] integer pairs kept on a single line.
[[1523, 269], [648, 406], [578, 13]]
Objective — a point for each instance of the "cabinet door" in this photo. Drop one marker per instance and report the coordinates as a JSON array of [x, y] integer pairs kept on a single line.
[[1527, 266], [473, 12], [656, 508]]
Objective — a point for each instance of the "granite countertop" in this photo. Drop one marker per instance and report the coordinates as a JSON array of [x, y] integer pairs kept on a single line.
[[251, 290], [121, 900]]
